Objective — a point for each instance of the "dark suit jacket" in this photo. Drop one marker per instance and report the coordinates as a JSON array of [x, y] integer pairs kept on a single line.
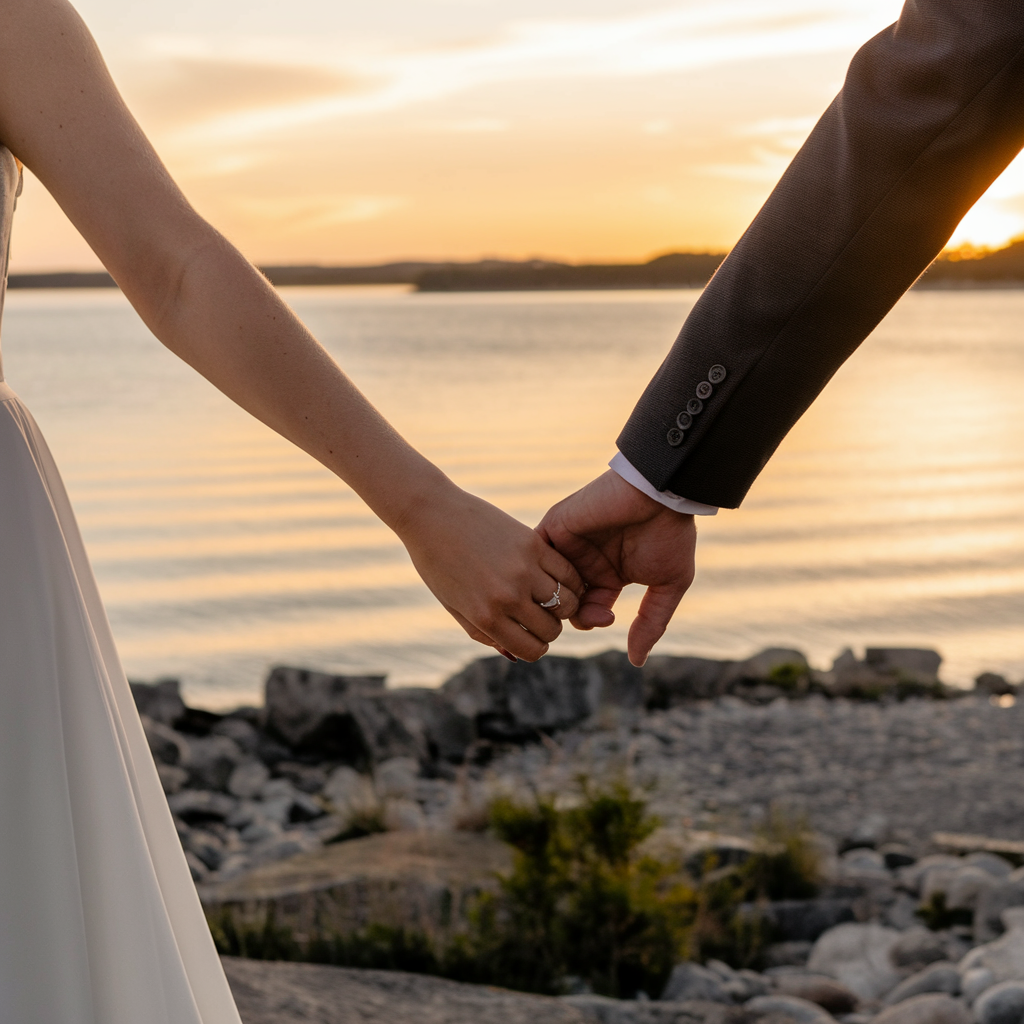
[[931, 112]]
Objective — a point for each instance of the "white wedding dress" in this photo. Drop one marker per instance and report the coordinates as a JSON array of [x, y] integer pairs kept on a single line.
[[99, 919]]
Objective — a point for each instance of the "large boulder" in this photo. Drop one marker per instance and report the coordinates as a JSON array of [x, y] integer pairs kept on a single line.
[[767, 674], [516, 702], [310, 711], [291, 993], [438, 730], [914, 662], [424, 881], [927, 1009], [858, 956], [670, 681]]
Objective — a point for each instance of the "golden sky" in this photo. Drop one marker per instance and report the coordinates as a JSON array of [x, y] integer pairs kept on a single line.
[[341, 132]]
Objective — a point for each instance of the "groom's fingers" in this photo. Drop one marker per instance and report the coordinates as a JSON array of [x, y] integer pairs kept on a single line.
[[656, 610], [595, 610]]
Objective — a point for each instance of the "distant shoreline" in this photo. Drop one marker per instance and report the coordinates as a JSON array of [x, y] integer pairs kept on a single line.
[[1001, 269]]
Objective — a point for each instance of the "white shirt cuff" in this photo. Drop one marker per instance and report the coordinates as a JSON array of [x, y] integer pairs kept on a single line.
[[633, 476]]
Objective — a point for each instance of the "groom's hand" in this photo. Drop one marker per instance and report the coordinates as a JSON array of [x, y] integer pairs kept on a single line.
[[614, 535]]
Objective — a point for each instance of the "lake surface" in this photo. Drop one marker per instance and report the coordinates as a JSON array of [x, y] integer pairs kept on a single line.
[[892, 515]]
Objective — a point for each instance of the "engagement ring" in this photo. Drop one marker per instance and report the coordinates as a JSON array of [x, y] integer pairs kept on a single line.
[[554, 601]]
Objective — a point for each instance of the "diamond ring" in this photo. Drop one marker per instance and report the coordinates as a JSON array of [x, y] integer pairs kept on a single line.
[[555, 600]]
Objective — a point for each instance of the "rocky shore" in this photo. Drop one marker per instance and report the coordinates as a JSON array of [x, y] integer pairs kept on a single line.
[[342, 797]]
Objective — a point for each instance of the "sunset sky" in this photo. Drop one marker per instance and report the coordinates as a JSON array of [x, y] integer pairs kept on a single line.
[[336, 132]]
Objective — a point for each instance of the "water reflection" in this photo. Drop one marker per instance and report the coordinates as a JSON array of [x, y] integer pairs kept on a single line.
[[894, 513]]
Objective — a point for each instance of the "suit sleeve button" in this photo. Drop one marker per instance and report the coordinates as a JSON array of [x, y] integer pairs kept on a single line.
[[704, 389], [716, 374], [694, 406], [675, 437], [684, 421]]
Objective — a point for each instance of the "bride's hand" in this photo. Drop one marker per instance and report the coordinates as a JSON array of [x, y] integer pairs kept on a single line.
[[490, 572]]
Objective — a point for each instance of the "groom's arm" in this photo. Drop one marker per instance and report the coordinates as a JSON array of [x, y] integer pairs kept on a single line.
[[931, 112]]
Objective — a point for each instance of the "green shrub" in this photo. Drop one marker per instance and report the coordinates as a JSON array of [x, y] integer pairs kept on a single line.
[[790, 676], [582, 899]]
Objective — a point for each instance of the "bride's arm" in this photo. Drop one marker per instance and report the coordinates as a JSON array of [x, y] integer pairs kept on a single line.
[[61, 114]]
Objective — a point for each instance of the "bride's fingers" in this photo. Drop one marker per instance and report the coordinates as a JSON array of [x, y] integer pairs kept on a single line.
[[519, 638], [547, 590], [559, 568]]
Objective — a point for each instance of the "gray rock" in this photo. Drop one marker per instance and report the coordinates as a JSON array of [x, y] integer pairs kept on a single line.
[[912, 661], [912, 877], [200, 872], [166, 745], [307, 778], [974, 982], [280, 847], [787, 1010], [826, 992], [350, 792], [247, 779], [896, 855], [993, 685], [439, 731], [213, 759], [601, 1010], [671, 681], [937, 977], [396, 778], [991, 904], [310, 712], [1002, 1004], [208, 847], [692, 981], [927, 1009], [515, 702], [172, 778], [995, 865], [861, 861], [762, 668], [918, 947], [196, 806], [802, 920], [787, 954], [1004, 957], [244, 733], [858, 956], [291, 993], [967, 885], [160, 701]]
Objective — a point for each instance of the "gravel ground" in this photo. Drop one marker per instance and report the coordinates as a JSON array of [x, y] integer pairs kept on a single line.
[[921, 765]]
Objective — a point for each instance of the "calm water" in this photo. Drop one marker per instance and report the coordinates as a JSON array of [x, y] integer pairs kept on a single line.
[[893, 514]]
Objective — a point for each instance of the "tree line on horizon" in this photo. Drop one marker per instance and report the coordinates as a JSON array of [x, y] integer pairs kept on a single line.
[[958, 269]]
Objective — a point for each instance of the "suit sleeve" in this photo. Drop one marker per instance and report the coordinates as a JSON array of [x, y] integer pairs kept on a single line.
[[931, 112]]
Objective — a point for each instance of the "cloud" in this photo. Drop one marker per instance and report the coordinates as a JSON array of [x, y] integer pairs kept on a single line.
[[668, 41], [310, 212], [174, 90]]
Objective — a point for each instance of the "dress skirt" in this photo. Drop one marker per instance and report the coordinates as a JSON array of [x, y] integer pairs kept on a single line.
[[99, 919]]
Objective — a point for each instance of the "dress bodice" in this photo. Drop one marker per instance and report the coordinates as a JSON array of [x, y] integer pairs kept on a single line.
[[10, 188]]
